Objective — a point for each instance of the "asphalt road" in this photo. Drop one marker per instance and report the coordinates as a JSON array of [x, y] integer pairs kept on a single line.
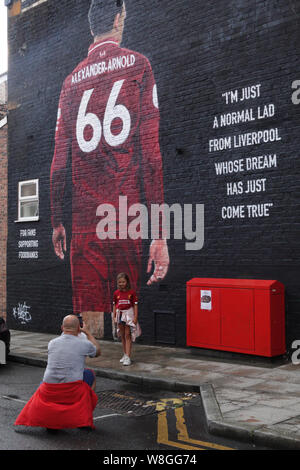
[[127, 419]]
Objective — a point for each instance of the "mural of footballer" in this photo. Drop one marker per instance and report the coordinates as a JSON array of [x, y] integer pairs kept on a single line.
[[108, 121]]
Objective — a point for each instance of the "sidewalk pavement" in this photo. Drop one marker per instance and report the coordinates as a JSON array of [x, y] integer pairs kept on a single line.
[[257, 404]]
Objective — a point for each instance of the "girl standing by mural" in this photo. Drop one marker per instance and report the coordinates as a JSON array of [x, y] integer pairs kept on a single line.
[[125, 314]]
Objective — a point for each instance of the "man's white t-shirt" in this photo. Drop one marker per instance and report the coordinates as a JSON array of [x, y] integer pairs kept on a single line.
[[66, 358]]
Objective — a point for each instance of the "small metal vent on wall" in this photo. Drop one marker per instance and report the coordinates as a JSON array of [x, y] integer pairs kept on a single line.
[[165, 327]]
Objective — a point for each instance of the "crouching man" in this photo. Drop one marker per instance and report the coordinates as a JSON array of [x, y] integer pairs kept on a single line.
[[66, 397], [67, 353]]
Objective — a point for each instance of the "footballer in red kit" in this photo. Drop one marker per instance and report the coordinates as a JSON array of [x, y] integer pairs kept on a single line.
[[108, 122]]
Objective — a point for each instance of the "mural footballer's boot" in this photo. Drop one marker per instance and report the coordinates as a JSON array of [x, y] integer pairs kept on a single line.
[[95, 323]]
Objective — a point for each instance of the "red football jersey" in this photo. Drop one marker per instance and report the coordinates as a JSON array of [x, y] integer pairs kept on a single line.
[[108, 121], [123, 300]]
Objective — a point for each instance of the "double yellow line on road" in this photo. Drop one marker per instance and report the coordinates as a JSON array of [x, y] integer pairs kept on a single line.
[[184, 441]]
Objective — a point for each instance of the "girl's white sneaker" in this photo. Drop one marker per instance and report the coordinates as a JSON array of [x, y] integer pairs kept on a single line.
[[122, 358], [127, 361]]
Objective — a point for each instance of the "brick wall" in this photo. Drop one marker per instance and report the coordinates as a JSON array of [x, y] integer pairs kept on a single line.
[[224, 73], [3, 191], [3, 217]]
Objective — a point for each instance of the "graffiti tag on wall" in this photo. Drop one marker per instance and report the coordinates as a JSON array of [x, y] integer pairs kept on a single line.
[[21, 313]]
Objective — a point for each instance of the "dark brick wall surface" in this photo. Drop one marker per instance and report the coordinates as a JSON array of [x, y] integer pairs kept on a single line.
[[3, 217], [198, 51]]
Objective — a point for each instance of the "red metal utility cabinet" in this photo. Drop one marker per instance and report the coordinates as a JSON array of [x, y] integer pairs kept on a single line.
[[239, 315]]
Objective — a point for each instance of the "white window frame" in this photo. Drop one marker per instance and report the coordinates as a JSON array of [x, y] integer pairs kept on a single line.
[[27, 199]]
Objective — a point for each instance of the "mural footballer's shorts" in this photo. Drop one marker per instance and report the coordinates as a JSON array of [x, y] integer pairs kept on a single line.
[[95, 265]]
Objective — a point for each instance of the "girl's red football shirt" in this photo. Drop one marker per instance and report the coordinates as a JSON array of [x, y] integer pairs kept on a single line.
[[123, 300]]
